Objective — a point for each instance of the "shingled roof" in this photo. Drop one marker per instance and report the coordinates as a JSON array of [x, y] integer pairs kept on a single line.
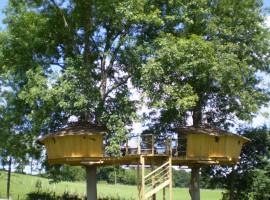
[[204, 129], [76, 128]]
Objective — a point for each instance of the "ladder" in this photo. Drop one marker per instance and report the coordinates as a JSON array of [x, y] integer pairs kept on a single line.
[[156, 180]]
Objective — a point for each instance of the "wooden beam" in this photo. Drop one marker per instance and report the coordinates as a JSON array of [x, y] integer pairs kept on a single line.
[[166, 146], [143, 179], [138, 182], [150, 174], [126, 147], [164, 191], [170, 174], [153, 145], [170, 145], [139, 144]]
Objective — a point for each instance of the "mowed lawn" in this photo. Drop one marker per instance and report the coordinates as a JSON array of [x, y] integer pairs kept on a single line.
[[23, 184]]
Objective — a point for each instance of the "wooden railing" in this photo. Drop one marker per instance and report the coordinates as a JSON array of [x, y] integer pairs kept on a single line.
[[156, 180], [149, 144]]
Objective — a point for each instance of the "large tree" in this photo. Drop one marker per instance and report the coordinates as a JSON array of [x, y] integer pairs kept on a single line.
[[75, 58], [206, 64]]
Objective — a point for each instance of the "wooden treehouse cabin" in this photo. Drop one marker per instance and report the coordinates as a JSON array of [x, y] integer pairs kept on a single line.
[[82, 143]]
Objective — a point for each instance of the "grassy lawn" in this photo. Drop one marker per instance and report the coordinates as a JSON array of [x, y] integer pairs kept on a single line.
[[23, 184]]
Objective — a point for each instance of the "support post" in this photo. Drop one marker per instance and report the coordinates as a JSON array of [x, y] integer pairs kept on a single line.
[[91, 182], [194, 189], [164, 191], [143, 180], [153, 179], [138, 181], [170, 174], [170, 147]]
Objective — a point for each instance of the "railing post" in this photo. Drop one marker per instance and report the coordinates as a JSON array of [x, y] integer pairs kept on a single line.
[[166, 146], [176, 147], [170, 144], [126, 147], [139, 144], [153, 145]]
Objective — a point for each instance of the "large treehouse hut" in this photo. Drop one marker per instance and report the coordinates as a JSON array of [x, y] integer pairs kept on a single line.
[[82, 143]]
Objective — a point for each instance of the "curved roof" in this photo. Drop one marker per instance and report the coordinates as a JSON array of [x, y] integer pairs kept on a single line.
[[76, 128], [205, 129]]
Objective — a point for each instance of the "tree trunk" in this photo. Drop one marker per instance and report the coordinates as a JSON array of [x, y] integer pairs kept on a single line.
[[91, 182], [31, 166], [197, 114], [194, 189], [9, 176]]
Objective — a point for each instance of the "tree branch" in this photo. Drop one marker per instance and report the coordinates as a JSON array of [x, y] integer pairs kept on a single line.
[[67, 27], [118, 84]]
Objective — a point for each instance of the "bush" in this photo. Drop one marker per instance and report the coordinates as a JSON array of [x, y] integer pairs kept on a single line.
[[47, 195]]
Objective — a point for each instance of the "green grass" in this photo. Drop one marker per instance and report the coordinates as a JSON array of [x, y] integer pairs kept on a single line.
[[23, 184]]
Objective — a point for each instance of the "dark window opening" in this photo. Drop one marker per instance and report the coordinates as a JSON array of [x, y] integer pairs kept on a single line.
[[182, 147]]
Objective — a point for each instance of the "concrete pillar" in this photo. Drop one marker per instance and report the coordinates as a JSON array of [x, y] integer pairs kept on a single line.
[[91, 182]]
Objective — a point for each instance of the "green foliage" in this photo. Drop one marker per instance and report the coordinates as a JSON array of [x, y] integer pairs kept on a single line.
[[181, 178], [45, 195], [261, 183], [59, 173], [203, 63]]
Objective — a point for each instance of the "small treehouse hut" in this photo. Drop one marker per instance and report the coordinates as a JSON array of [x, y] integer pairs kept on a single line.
[[207, 144], [81, 143], [78, 141]]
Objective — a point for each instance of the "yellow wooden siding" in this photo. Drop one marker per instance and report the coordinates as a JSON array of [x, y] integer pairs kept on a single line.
[[65, 140], [74, 146], [217, 146], [201, 145], [48, 149], [92, 146], [197, 145], [234, 146], [53, 148]]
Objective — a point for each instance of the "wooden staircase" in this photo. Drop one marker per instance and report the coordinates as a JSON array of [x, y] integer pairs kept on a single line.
[[158, 179]]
